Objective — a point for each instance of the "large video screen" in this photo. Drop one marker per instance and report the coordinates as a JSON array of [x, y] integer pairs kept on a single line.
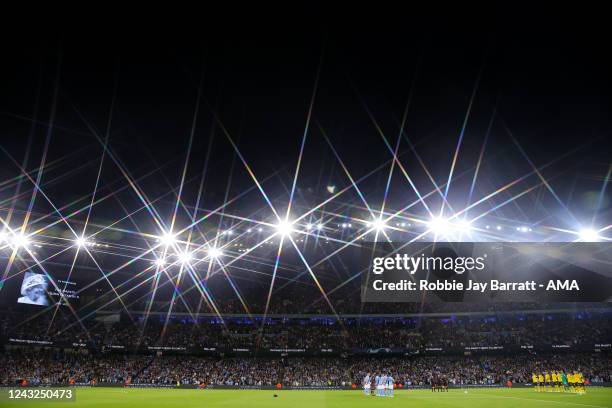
[[38, 289]]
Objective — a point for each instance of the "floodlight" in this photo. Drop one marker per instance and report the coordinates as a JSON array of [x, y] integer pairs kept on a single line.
[[308, 227], [379, 224], [589, 235], [160, 262], [167, 239], [284, 228], [215, 252], [439, 226], [20, 240], [81, 242], [185, 257]]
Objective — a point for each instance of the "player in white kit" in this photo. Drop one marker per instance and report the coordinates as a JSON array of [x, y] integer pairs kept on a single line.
[[367, 384], [390, 385], [383, 385]]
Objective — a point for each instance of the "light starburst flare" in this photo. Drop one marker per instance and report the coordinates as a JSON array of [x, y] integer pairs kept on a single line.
[[167, 239], [589, 235], [284, 228], [215, 253]]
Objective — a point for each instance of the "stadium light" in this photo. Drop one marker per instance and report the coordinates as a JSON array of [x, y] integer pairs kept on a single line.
[[160, 262], [439, 226], [80, 242], [284, 228], [589, 235], [185, 257], [20, 240], [308, 227], [215, 252], [379, 224], [167, 239]]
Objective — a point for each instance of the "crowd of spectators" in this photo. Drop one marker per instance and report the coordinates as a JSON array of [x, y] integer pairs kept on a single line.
[[170, 370], [62, 368], [345, 301], [485, 370], [516, 329], [58, 367], [114, 350]]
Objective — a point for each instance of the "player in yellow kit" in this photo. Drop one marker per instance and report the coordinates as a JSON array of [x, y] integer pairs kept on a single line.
[[553, 381], [571, 379], [576, 381], [547, 380], [580, 383], [557, 381], [536, 383], [541, 382]]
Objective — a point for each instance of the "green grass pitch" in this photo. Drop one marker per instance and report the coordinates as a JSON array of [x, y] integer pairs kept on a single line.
[[182, 398]]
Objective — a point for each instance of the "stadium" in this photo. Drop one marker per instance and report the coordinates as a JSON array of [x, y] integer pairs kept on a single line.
[[326, 217]]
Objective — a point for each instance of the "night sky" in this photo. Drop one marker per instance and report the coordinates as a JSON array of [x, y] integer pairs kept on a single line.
[[545, 72]]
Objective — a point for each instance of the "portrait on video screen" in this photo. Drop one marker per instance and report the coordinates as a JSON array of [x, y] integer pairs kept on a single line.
[[34, 290]]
